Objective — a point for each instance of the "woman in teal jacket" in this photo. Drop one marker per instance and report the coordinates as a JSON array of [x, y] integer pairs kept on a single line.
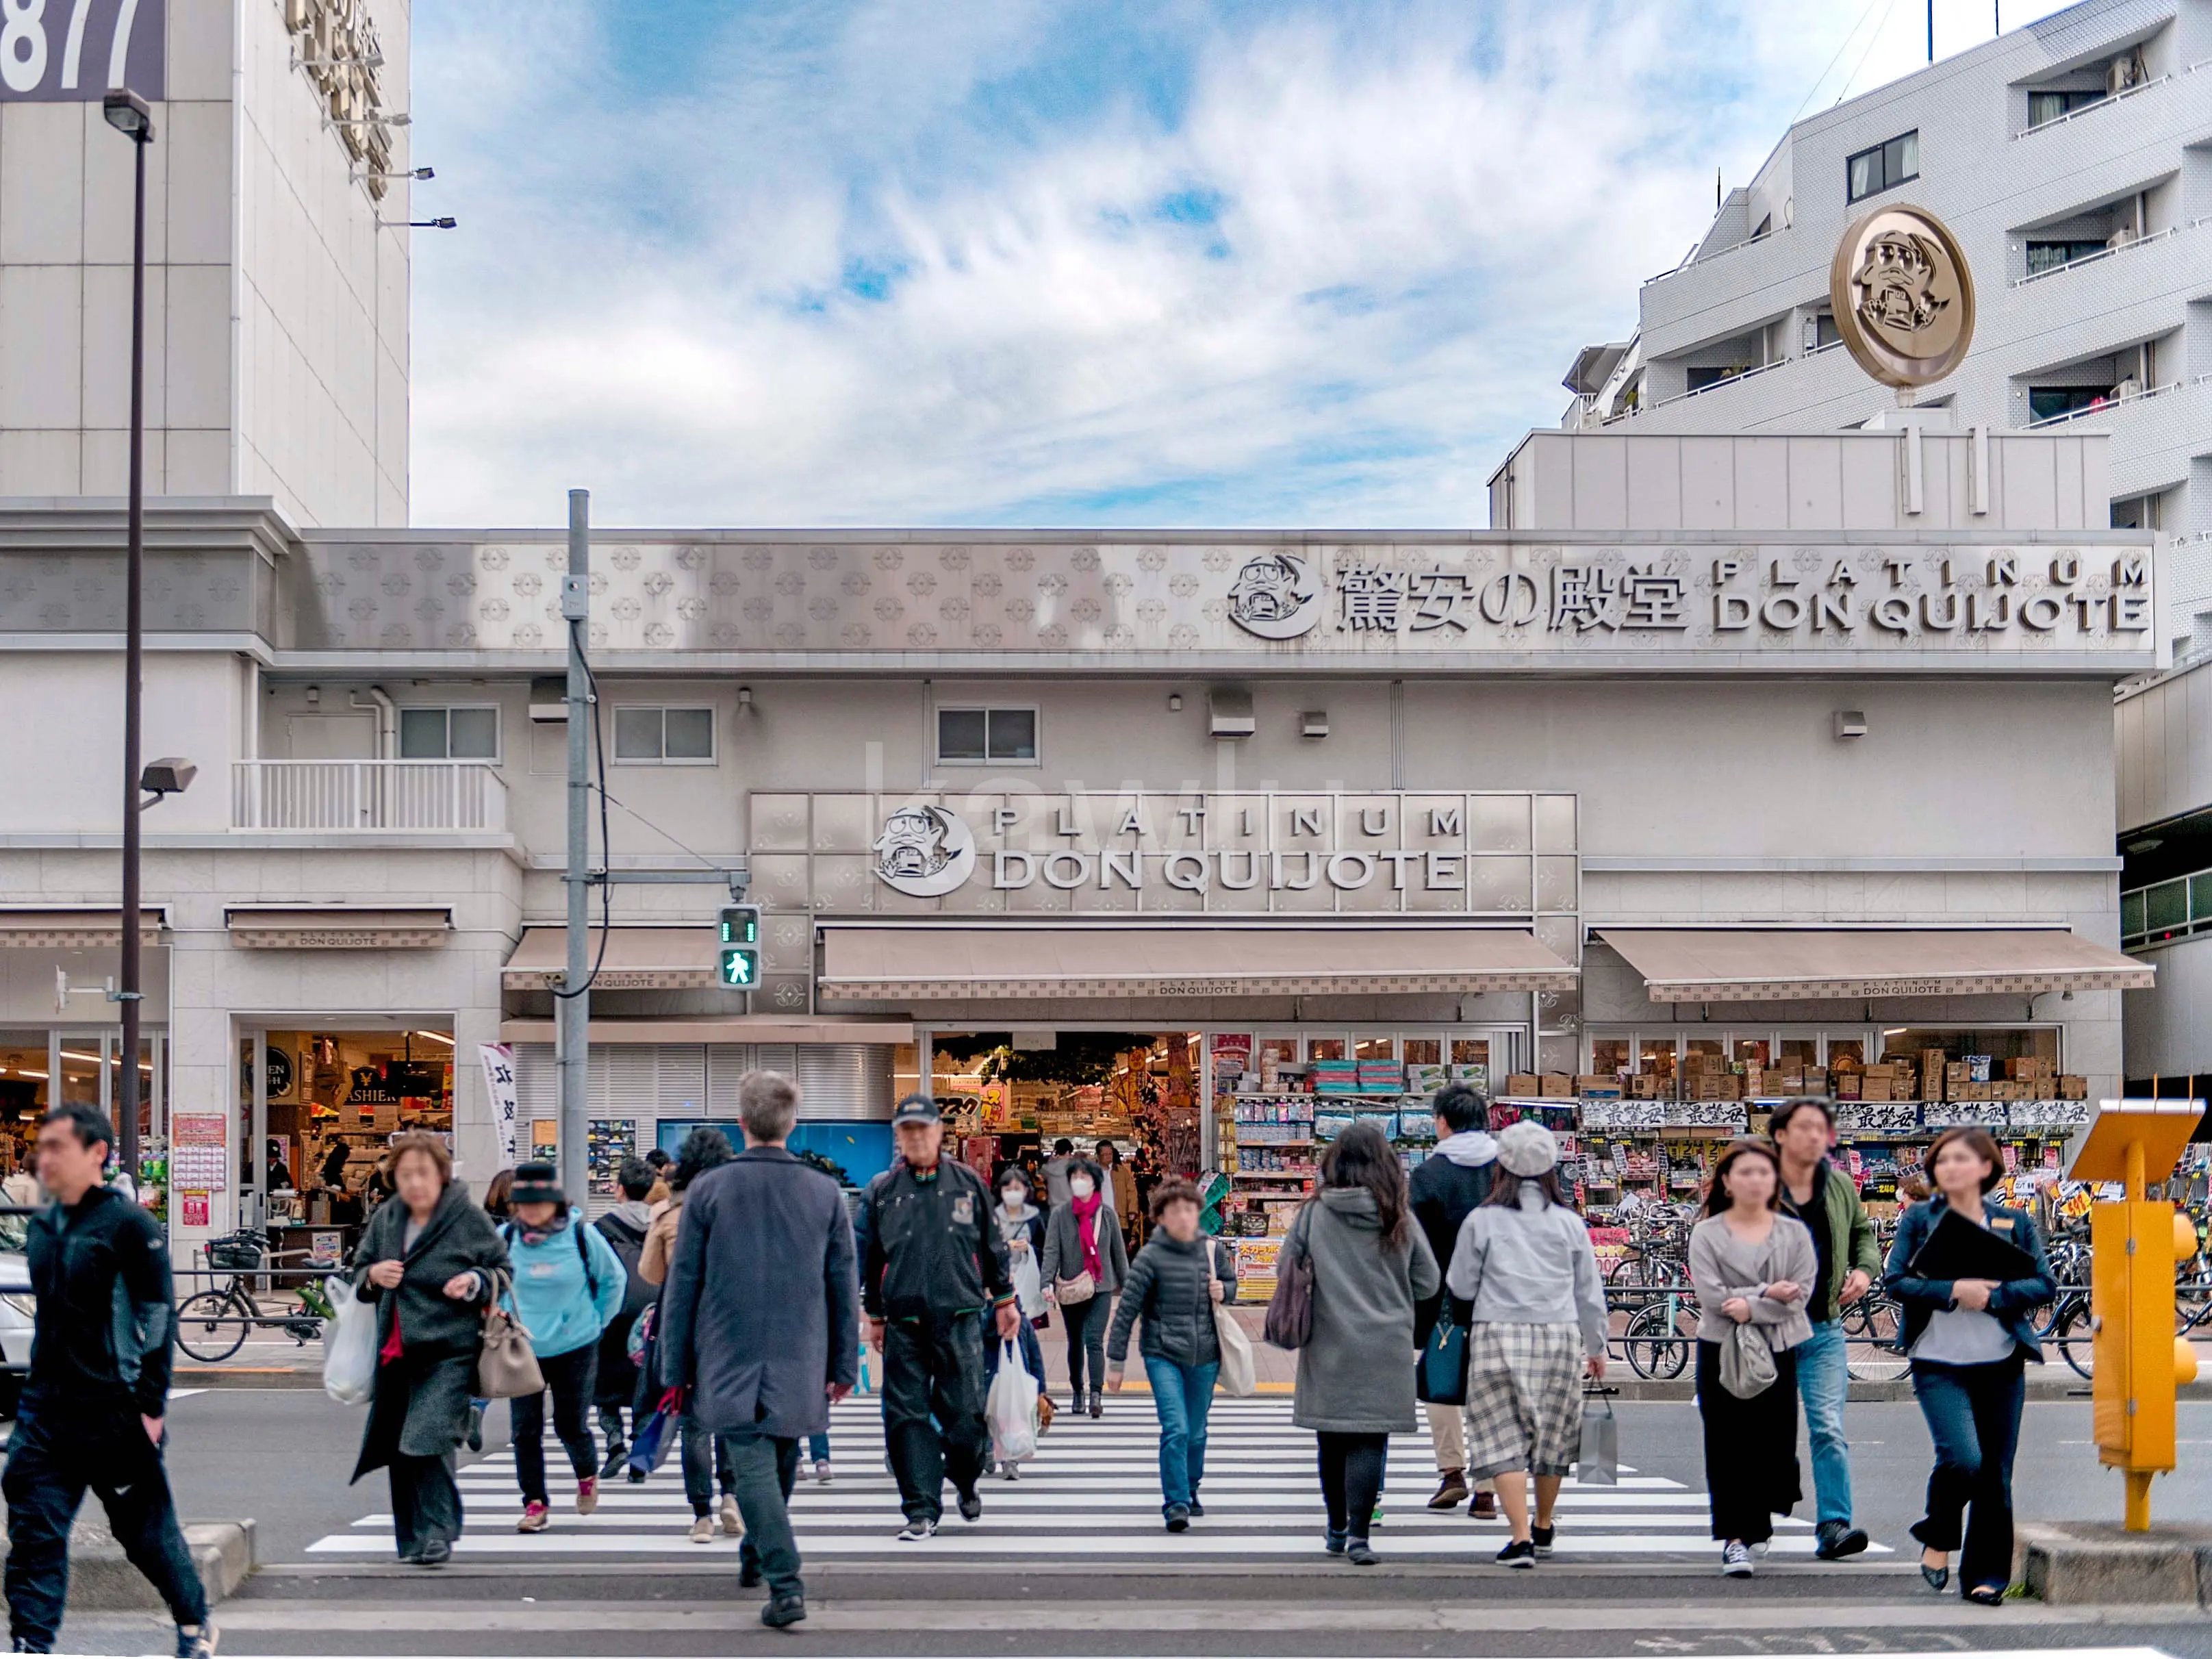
[[568, 1284]]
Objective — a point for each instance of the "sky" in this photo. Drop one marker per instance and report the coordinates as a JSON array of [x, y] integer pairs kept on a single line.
[[1233, 263]]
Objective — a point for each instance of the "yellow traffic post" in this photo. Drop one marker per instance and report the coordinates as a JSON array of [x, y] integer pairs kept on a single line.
[[2135, 1245]]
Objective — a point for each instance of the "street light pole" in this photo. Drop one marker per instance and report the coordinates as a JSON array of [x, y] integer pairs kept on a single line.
[[129, 115]]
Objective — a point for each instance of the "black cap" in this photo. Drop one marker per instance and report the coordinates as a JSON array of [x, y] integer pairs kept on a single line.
[[916, 1109], [536, 1182]]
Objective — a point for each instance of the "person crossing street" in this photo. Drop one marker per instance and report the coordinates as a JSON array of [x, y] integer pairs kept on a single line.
[[932, 1262], [1804, 1129], [93, 1406]]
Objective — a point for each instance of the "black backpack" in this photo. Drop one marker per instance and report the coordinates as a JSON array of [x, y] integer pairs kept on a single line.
[[630, 1246], [507, 1234]]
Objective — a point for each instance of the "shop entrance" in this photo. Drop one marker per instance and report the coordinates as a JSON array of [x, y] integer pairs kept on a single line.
[[43, 1068]]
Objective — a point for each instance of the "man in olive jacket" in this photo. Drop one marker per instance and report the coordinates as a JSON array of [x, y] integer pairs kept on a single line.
[[759, 1320], [1827, 1202]]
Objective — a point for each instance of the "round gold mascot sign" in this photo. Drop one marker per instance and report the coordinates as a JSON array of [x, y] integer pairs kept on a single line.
[[1904, 299]]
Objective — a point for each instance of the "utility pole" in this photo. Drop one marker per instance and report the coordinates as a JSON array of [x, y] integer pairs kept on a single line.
[[574, 1002], [1931, 31]]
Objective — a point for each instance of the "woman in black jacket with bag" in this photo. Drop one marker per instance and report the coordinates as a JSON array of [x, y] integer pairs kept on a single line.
[[1173, 1285], [429, 1261]]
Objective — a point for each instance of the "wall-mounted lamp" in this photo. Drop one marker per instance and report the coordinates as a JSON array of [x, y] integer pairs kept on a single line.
[[1175, 702], [446, 222], [314, 695], [1314, 723], [1228, 712], [744, 700], [1849, 723]]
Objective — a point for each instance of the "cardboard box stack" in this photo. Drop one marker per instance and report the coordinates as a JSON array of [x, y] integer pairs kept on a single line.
[[1557, 1085], [1519, 1085]]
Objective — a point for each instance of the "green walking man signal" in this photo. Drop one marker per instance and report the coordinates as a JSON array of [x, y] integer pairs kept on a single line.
[[737, 965]]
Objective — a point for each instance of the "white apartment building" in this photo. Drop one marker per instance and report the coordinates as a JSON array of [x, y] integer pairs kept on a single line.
[[276, 250], [2073, 159]]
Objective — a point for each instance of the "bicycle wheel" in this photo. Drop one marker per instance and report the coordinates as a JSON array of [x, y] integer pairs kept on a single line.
[[1658, 1339], [2072, 1331], [1870, 1330], [210, 1327]]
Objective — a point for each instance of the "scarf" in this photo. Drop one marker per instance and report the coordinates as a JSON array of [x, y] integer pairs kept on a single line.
[[1086, 1228]]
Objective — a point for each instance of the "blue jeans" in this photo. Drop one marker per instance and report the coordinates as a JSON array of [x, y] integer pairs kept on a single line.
[[1973, 1418], [817, 1448], [1182, 1395], [1824, 1380]]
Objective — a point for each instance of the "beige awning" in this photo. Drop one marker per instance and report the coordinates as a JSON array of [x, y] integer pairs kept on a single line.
[[736, 1028], [932, 963], [338, 928], [637, 959], [35, 929], [1720, 964]]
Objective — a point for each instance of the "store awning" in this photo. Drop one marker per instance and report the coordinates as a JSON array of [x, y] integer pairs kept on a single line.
[[338, 928], [932, 963], [46, 929], [637, 959], [736, 1028], [1719, 965]]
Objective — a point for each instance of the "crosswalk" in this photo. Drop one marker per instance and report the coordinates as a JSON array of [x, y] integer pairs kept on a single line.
[[1091, 1492]]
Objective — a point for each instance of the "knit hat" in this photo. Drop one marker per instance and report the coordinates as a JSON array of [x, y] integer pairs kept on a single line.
[[1527, 1148], [536, 1182]]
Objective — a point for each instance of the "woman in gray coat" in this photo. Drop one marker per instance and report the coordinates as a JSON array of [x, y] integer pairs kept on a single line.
[[1083, 1253], [428, 1259], [1355, 1384]]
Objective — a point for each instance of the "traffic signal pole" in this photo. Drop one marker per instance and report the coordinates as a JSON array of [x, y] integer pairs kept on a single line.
[[572, 1029]]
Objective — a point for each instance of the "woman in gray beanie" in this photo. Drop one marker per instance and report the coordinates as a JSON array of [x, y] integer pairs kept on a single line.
[[1523, 1260]]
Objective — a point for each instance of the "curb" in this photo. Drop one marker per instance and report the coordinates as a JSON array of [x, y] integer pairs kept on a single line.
[[2085, 1563], [102, 1580]]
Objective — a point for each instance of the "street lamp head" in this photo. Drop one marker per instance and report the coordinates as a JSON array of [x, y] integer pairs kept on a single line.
[[171, 774], [129, 115]]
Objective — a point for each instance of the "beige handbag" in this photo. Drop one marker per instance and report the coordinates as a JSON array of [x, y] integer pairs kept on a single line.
[[1074, 1292], [506, 1366]]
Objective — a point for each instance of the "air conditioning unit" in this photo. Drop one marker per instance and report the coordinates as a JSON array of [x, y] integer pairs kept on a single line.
[[2124, 71], [2121, 237], [2127, 388]]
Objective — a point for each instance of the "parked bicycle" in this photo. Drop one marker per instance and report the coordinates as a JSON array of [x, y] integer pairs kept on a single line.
[[212, 1324]]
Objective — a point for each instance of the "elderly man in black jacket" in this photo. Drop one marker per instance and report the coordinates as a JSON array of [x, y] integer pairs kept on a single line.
[[93, 1406], [1445, 1190], [759, 1321]]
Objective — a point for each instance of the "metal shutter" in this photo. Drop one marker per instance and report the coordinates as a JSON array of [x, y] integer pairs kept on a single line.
[[726, 1062], [680, 1081], [845, 1082], [536, 1090], [778, 1057]]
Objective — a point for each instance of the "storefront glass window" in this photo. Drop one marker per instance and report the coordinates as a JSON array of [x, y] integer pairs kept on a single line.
[[1470, 1051], [80, 1071], [1847, 1053], [24, 1086], [1611, 1057], [1752, 1051], [1803, 1053], [1376, 1048], [1656, 1055], [1325, 1049], [2019, 1043], [1424, 1051]]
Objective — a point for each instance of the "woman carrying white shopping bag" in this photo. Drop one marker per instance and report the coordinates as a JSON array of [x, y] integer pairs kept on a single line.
[[1174, 1286], [1021, 1224]]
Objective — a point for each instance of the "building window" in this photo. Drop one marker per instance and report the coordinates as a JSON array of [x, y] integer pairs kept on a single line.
[[2049, 403], [449, 734], [1699, 379], [2049, 256], [2043, 106], [977, 737], [668, 737], [1878, 169]]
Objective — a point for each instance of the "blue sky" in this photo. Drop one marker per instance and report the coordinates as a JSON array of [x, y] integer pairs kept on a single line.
[[1251, 262]]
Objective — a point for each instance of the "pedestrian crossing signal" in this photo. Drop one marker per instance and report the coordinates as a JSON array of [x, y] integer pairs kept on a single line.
[[738, 961]]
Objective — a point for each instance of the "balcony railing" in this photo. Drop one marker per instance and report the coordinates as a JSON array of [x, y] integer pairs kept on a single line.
[[2148, 241], [343, 797], [2165, 910]]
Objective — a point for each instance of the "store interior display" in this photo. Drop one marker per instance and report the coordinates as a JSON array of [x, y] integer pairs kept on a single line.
[[325, 1090]]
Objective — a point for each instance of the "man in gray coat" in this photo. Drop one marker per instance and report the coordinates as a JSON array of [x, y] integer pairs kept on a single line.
[[759, 1321]]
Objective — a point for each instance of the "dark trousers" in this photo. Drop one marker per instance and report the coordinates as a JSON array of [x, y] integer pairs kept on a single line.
[[568, 1379], [1751, 1448], [765, 1466], [1351, 1467], [54, 1455], [1973, 1418], [1086, 1335], [426, 1503], [933, 1370], [705, 1457]]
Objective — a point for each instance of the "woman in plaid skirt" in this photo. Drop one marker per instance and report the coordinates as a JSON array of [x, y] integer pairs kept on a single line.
[[1523, 1260]]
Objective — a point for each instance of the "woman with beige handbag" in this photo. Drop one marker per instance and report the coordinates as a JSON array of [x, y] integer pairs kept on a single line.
[[429, 1261], [1084, 1262]]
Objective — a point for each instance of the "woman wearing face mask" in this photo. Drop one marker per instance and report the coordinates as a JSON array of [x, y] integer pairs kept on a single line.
[[1084, 1263], [1021, 1224]]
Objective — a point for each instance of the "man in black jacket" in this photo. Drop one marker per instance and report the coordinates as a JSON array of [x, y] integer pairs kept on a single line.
[[931, 1261], [1445, 1189], [93, 1406]]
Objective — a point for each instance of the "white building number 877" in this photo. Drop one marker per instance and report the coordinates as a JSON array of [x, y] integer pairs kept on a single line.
[[27, 53]]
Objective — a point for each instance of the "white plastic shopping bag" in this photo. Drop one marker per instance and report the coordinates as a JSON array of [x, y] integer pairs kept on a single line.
[[1029, 1285], [349, 1348], [1011, 1410]]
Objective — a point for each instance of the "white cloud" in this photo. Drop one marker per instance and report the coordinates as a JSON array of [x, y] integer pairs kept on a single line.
[[1423, 212]]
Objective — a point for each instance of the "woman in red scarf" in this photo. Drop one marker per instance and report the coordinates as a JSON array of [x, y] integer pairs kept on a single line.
[[1084, 1263]]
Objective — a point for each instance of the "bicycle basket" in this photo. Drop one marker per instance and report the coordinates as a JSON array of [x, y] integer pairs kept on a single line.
[[233, 1254]]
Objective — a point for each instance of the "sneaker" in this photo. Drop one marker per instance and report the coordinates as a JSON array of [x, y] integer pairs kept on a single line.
[[1838, 1538], [536, 1518], [1178, 1517], [616, 1458], [703, 1529], [1197, 1509], [1358, 1555], [587, 1494], [916, 1531], [1540, 1537], [1735, 1561], [1520, 1554], [971, 1506], [25, 1644], [1451, 1491], [1097, 1403], [1484, 1507], [435, 1553], [732, 1522], [635, 1477], [475, 1425], [784, 1610], [1333, 1540], [822, 1471], [197, 1641]]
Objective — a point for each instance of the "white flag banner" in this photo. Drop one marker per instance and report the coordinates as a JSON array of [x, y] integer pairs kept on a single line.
[[499, 1083]]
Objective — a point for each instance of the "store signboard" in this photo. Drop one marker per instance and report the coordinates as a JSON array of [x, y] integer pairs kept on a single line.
[[74, 51], [1501, 600]]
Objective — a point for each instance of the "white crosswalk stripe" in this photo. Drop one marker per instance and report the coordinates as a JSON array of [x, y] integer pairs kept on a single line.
[[1092, 1491]]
